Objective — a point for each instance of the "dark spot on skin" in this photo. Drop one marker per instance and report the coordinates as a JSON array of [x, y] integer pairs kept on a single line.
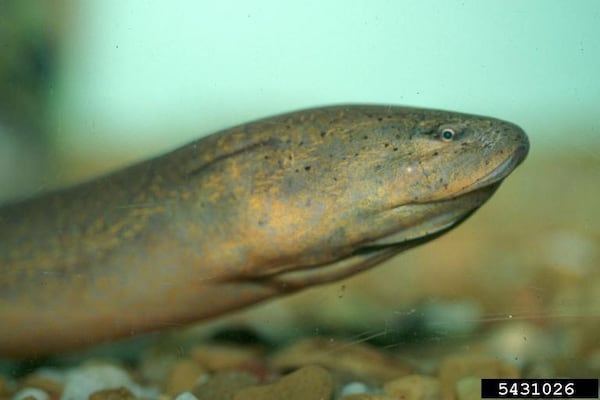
[[377, 167], [487, 162], [307, 168], [290, 157], [395, 149], [355, 154], [398, 136], [386, 144], [323, 133], [297, 170], [435, 153], [288, 127], [301, 143], [379, 119], [365, 137], [388, 116], [335, 178], [266, 157], [330, 155]]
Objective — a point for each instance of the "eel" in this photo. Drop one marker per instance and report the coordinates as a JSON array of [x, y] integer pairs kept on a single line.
[[248, 213]]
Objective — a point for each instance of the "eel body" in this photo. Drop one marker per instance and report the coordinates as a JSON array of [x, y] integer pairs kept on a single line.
[[248, 213]]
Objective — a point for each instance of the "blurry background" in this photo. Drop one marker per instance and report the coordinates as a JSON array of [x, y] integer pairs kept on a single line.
[[86, 87]]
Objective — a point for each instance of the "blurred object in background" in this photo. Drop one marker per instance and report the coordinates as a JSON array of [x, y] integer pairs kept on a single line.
[[30, 42]]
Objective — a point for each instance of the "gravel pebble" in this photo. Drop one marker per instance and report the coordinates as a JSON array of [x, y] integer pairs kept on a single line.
[[361, 361], [186, 396], [455, 368], [308, 383], [49, 384], [183, 376], [355, 388], [216, 357], [31, 394], [80, 383], [414, 387], [113, 394], [4, 386], [468, 388], [223, 385], [367, 396]]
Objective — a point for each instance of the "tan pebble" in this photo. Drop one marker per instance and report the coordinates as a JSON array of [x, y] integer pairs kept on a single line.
[[468, 388], [220, 357], [308, 383], [53, 387], [414, 387], [183, 376], [4, 386], [223, 385], [455, 368], [525, 341], [156, 362], [113, 394], [361, 361]]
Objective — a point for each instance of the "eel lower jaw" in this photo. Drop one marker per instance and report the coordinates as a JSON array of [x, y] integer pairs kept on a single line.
[[431, 228], [501, 171]]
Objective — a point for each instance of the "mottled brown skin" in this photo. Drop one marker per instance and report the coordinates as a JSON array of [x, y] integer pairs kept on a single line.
[[255, 211]]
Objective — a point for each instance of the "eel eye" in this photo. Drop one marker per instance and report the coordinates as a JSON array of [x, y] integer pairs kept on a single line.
[[447, 134]]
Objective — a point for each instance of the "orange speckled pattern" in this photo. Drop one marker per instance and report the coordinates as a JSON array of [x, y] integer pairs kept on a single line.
[[258, 210]]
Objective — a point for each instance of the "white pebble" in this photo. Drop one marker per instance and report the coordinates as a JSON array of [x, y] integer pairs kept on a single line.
[[186, 396], [37, 394], [355, 388], [80, 383]]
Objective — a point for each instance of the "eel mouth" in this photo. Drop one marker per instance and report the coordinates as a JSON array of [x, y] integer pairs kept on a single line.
[[440, 216], [502, 171]]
